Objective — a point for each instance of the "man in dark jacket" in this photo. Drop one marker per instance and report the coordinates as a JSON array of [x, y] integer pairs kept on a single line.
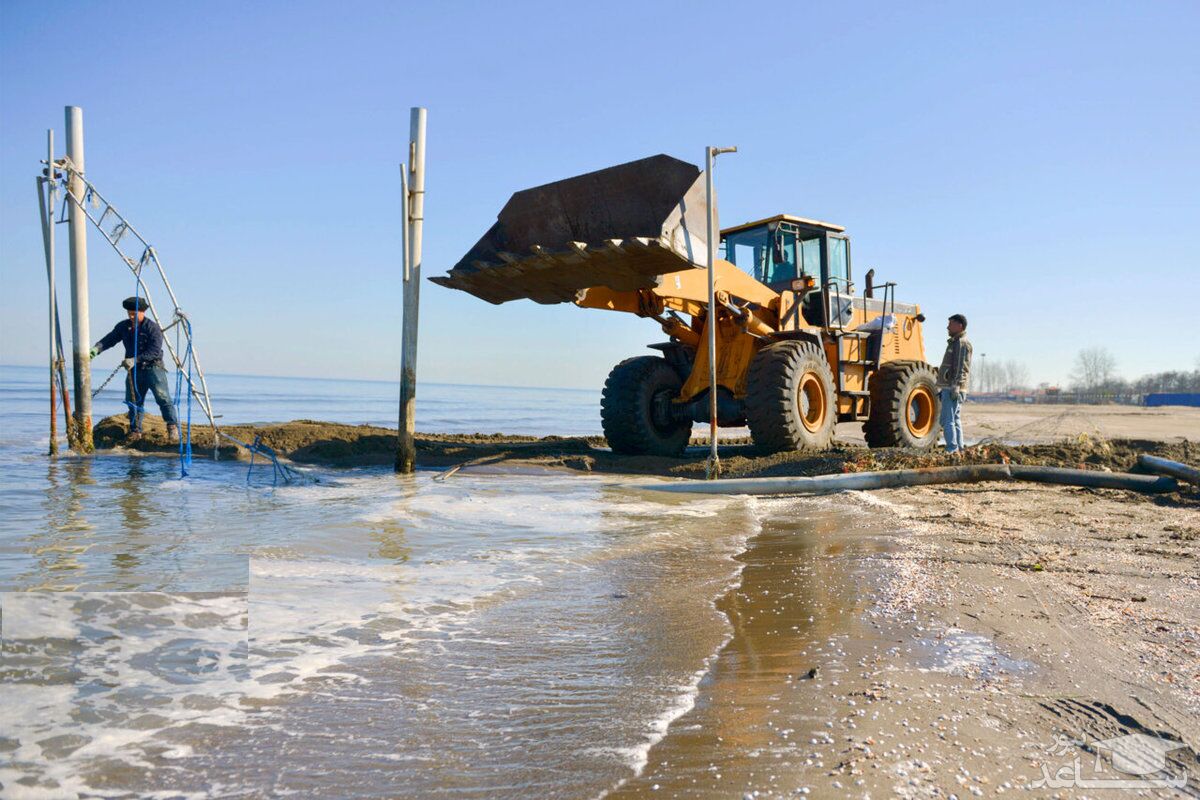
[[143, 341], [953, 378]]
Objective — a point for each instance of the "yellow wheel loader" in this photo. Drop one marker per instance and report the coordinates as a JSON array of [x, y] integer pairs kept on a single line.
[[798, 349]]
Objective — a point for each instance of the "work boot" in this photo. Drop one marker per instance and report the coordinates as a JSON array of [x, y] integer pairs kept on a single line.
[[173, 434], [133, 436]]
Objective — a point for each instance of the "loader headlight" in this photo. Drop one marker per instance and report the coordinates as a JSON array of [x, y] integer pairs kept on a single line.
[[803, 283]]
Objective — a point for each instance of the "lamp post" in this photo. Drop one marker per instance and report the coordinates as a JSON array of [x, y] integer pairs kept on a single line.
[[713, 469]]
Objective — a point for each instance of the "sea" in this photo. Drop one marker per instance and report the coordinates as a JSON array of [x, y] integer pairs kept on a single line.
[[352, 633]]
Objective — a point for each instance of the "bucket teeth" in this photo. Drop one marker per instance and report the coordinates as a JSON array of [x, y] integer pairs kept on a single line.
[[620, 227]]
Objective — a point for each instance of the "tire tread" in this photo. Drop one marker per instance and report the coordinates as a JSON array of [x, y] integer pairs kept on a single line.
[[884, 426], [626, 426], [770, 398]]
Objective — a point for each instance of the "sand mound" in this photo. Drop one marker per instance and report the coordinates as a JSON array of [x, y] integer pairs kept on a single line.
[[333, 444]]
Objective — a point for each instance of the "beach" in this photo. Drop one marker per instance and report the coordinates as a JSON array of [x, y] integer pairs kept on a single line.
[[520, 620]]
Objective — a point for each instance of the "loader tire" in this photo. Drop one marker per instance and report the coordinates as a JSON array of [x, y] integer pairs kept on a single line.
[[636, 396], [790, 400], [904, 406]]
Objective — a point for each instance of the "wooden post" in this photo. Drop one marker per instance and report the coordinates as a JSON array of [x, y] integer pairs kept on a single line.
[[413, 190]]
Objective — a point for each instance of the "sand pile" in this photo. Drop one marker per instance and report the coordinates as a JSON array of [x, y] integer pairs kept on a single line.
[[333, 444]]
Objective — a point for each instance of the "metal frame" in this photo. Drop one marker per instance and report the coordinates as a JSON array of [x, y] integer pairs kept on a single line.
[[120, 231]]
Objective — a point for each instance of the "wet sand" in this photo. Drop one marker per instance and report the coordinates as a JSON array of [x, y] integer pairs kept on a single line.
[[940, 646]]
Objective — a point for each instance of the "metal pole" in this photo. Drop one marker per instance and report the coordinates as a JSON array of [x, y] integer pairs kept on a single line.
[[47, 215], [48, 201], [77, 229], [406, 453], [713, 468]]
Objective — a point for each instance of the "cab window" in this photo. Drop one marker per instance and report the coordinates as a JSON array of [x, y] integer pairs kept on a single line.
[[749, 251], [810, 256], [781, 261], [839, 259]]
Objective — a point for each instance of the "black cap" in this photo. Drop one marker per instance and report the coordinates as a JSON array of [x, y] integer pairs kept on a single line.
[[132, 303]]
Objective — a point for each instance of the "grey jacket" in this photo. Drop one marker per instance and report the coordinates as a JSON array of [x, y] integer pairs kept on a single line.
[[955, 372]]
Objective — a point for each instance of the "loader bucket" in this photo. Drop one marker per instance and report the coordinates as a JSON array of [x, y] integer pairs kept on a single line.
[[620, 227]]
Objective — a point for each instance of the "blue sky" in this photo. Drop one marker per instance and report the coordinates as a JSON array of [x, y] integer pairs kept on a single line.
[[1035, 166]]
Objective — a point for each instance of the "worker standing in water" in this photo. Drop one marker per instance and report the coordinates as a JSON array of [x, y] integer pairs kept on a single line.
[[143, 340], [952, 380]]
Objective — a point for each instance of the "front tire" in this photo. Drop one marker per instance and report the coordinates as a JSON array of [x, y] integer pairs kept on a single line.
[[791, 403], [635, 409], [904, 406]]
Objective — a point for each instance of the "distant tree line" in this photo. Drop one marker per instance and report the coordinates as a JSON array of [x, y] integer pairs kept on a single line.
[[1094, 372], [994, 376]]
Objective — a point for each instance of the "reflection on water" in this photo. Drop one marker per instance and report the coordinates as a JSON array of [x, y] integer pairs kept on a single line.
[[796, 618], [65, 533], [392, 544], [132, 502], [131, 498]]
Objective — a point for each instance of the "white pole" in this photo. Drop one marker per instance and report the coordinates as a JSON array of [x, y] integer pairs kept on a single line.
[[406, 454], [77, 230], [713, 469]]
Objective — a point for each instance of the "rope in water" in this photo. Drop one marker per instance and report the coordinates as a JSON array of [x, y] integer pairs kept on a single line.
[[185, 440], [258, 448]]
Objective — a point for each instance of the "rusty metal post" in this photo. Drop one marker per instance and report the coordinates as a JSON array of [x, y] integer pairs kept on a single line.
[[46, 201], [413, 190]]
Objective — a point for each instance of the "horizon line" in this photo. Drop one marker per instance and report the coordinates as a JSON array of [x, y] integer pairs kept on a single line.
[[359, 380]]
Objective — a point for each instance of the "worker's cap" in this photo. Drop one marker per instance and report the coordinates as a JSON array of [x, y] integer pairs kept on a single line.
[[135, 304]]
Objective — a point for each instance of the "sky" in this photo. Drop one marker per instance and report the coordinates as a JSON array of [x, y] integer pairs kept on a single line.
[[1032, 165]]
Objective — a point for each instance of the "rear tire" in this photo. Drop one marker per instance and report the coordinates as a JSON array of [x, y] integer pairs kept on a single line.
[[790, 400], [633, 408], [904, 406]]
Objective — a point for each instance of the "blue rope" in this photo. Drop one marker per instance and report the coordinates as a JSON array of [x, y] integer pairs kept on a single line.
[[276, 467], [257, 448], [136, 409], [185, 441]]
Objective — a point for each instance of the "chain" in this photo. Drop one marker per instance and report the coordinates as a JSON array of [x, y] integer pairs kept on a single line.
[[107, 380]]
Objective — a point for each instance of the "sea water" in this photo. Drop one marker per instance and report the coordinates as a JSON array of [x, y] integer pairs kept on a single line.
[[355, 633]]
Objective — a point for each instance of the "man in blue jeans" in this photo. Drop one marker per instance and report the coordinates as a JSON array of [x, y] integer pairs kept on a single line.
[[952, 380], [143, 341]]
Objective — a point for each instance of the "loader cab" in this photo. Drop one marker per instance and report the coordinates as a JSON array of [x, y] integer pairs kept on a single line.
[[778, 250]]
